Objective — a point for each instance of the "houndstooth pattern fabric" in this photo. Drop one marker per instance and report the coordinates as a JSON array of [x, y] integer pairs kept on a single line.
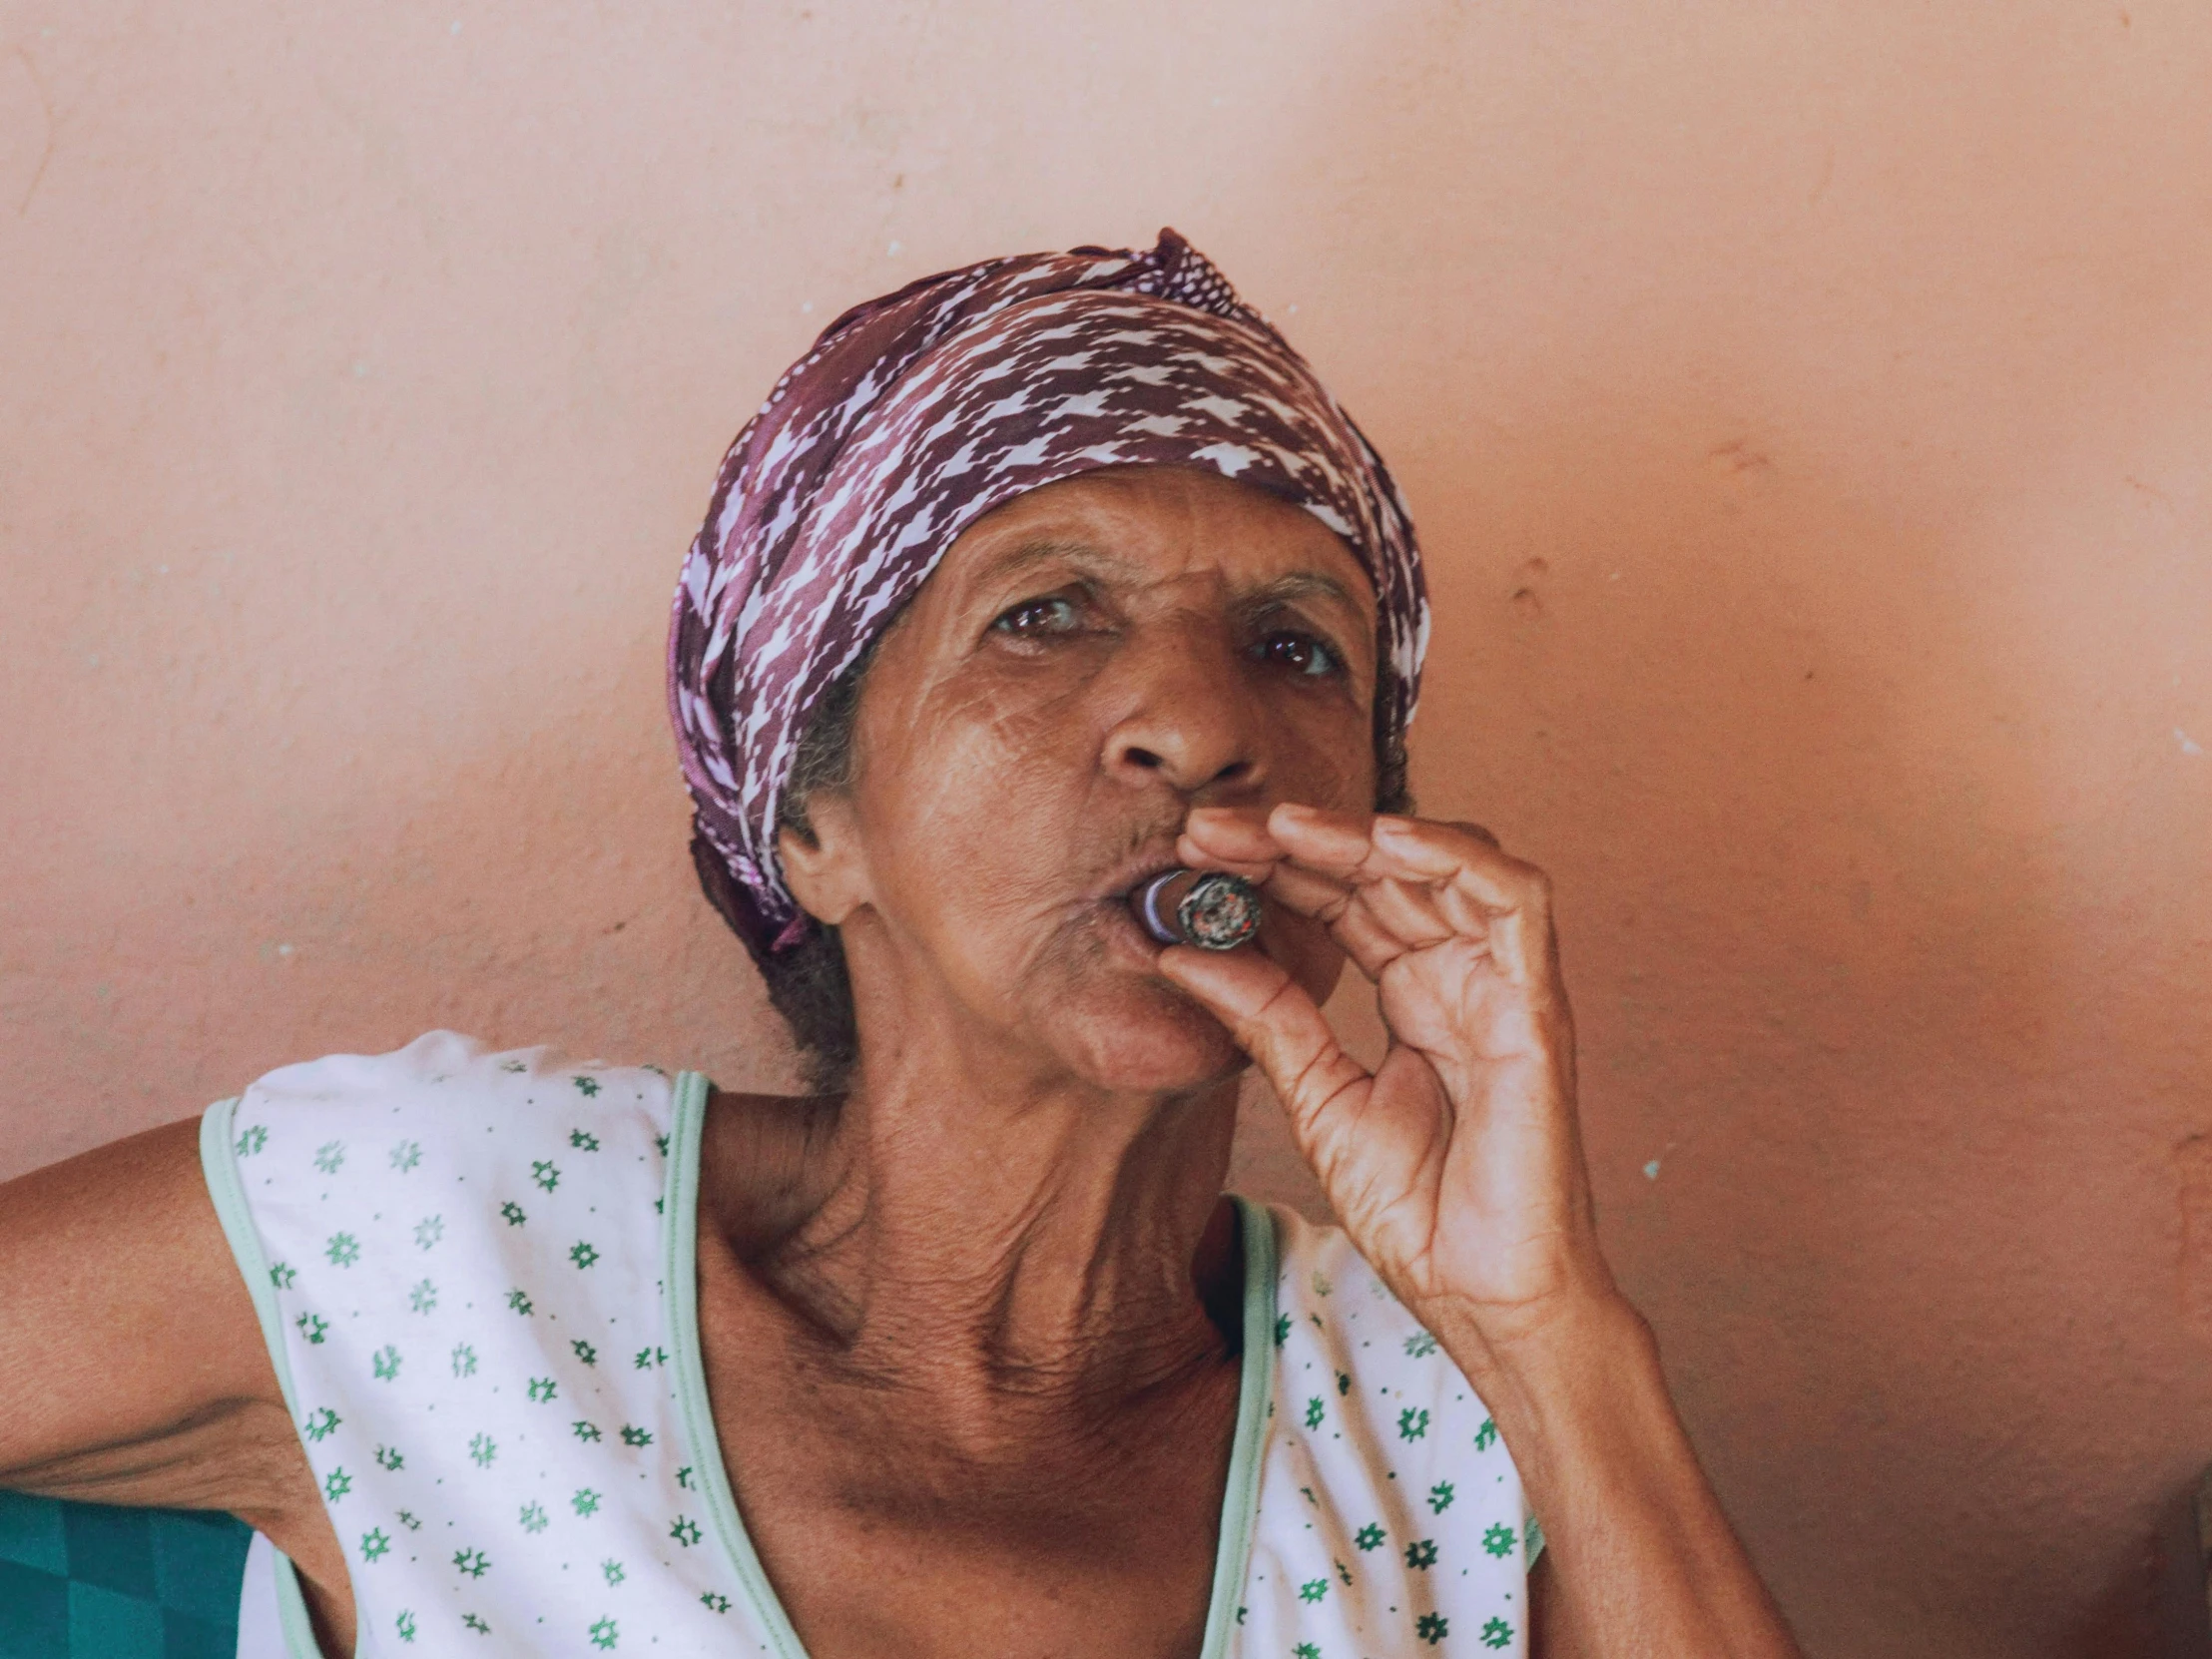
[[918, 414]]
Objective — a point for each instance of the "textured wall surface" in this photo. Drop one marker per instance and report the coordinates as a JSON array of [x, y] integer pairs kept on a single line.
[[1809, 414]]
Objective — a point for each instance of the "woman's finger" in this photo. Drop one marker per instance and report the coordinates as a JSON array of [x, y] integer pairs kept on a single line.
[[1371, 946], [1227, 836], [1410, 848], [1247, 834], [1476, 891], [1423, 850], [1356, 849], [1274, 1020], [1307, 891], [1402, 915], [1421, 880], [1410, 911], [1337, 843]]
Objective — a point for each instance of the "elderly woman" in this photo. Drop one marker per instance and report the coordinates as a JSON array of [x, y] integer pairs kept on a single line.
[[1030, 582]]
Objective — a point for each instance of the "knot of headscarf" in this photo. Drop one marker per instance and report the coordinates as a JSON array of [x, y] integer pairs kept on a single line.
[[915, 414]]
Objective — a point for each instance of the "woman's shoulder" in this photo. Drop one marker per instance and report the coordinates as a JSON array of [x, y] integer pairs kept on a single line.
[[443, 1085], [455, 1067], [370, 1132], [446, 1177]]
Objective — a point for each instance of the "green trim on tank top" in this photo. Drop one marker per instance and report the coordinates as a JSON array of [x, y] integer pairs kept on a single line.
[[219, 1165], [680, 1273]]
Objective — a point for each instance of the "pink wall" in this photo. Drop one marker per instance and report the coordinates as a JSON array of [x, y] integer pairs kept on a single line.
[[1809, 412]]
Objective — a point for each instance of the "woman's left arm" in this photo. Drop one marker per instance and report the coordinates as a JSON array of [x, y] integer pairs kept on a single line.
[[1457, 1168]]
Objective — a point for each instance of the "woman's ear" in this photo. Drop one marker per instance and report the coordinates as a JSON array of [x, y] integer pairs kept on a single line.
[[827, 873]]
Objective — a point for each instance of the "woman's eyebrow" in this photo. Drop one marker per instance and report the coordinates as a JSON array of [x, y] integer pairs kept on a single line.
[[1301, 584]]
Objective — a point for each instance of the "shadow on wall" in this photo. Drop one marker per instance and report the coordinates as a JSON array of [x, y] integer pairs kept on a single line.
[[1867, 1148], [1739, 634]]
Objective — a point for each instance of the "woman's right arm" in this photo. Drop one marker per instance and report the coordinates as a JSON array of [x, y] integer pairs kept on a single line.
[[132, 1366]]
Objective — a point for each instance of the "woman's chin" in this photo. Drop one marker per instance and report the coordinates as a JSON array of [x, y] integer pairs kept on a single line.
[[1143, 1036]]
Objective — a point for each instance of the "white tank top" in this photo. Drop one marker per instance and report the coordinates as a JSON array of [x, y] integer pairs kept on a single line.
[[475, 1273]]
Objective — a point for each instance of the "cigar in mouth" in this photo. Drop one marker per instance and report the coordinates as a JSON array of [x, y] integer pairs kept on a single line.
[[1204, 908]]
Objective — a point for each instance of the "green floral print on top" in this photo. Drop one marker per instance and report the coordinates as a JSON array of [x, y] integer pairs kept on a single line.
[[1385, 1492], [420, 1312]]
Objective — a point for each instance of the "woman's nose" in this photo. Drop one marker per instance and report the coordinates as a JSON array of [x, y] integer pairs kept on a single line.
[[1192, 720]]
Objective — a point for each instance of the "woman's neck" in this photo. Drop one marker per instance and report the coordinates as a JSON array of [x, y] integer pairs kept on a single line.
[[996, 1240]]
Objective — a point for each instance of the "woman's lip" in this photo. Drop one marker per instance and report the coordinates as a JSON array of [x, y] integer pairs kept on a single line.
[[1117, 919], [1133, 875], [1126, 925]]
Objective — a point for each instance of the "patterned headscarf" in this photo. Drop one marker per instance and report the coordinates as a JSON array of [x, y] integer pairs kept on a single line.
[[918, 414]]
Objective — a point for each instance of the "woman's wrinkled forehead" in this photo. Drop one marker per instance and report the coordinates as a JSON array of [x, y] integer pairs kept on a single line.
[[916, 415]]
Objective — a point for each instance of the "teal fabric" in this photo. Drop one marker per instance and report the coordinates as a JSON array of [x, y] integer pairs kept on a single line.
[[87, 1581]]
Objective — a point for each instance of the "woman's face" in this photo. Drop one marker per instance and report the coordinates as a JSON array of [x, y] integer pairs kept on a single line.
[[1089, 662]]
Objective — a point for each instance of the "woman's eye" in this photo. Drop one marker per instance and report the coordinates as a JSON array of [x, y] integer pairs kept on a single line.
[[1034, 617], [1299, 652]]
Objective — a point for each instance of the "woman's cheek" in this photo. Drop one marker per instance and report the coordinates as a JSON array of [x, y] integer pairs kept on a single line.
[[1325, 779], [988, 816]]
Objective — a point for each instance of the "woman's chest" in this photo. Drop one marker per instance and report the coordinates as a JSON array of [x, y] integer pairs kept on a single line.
[[922, 1532], [853, 1587]]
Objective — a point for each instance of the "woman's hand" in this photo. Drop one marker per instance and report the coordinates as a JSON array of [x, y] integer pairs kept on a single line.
[[1457, 1169], [1455, 1166]]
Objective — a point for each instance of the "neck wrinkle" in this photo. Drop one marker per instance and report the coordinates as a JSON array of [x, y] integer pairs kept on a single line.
[[1043, 1255]]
